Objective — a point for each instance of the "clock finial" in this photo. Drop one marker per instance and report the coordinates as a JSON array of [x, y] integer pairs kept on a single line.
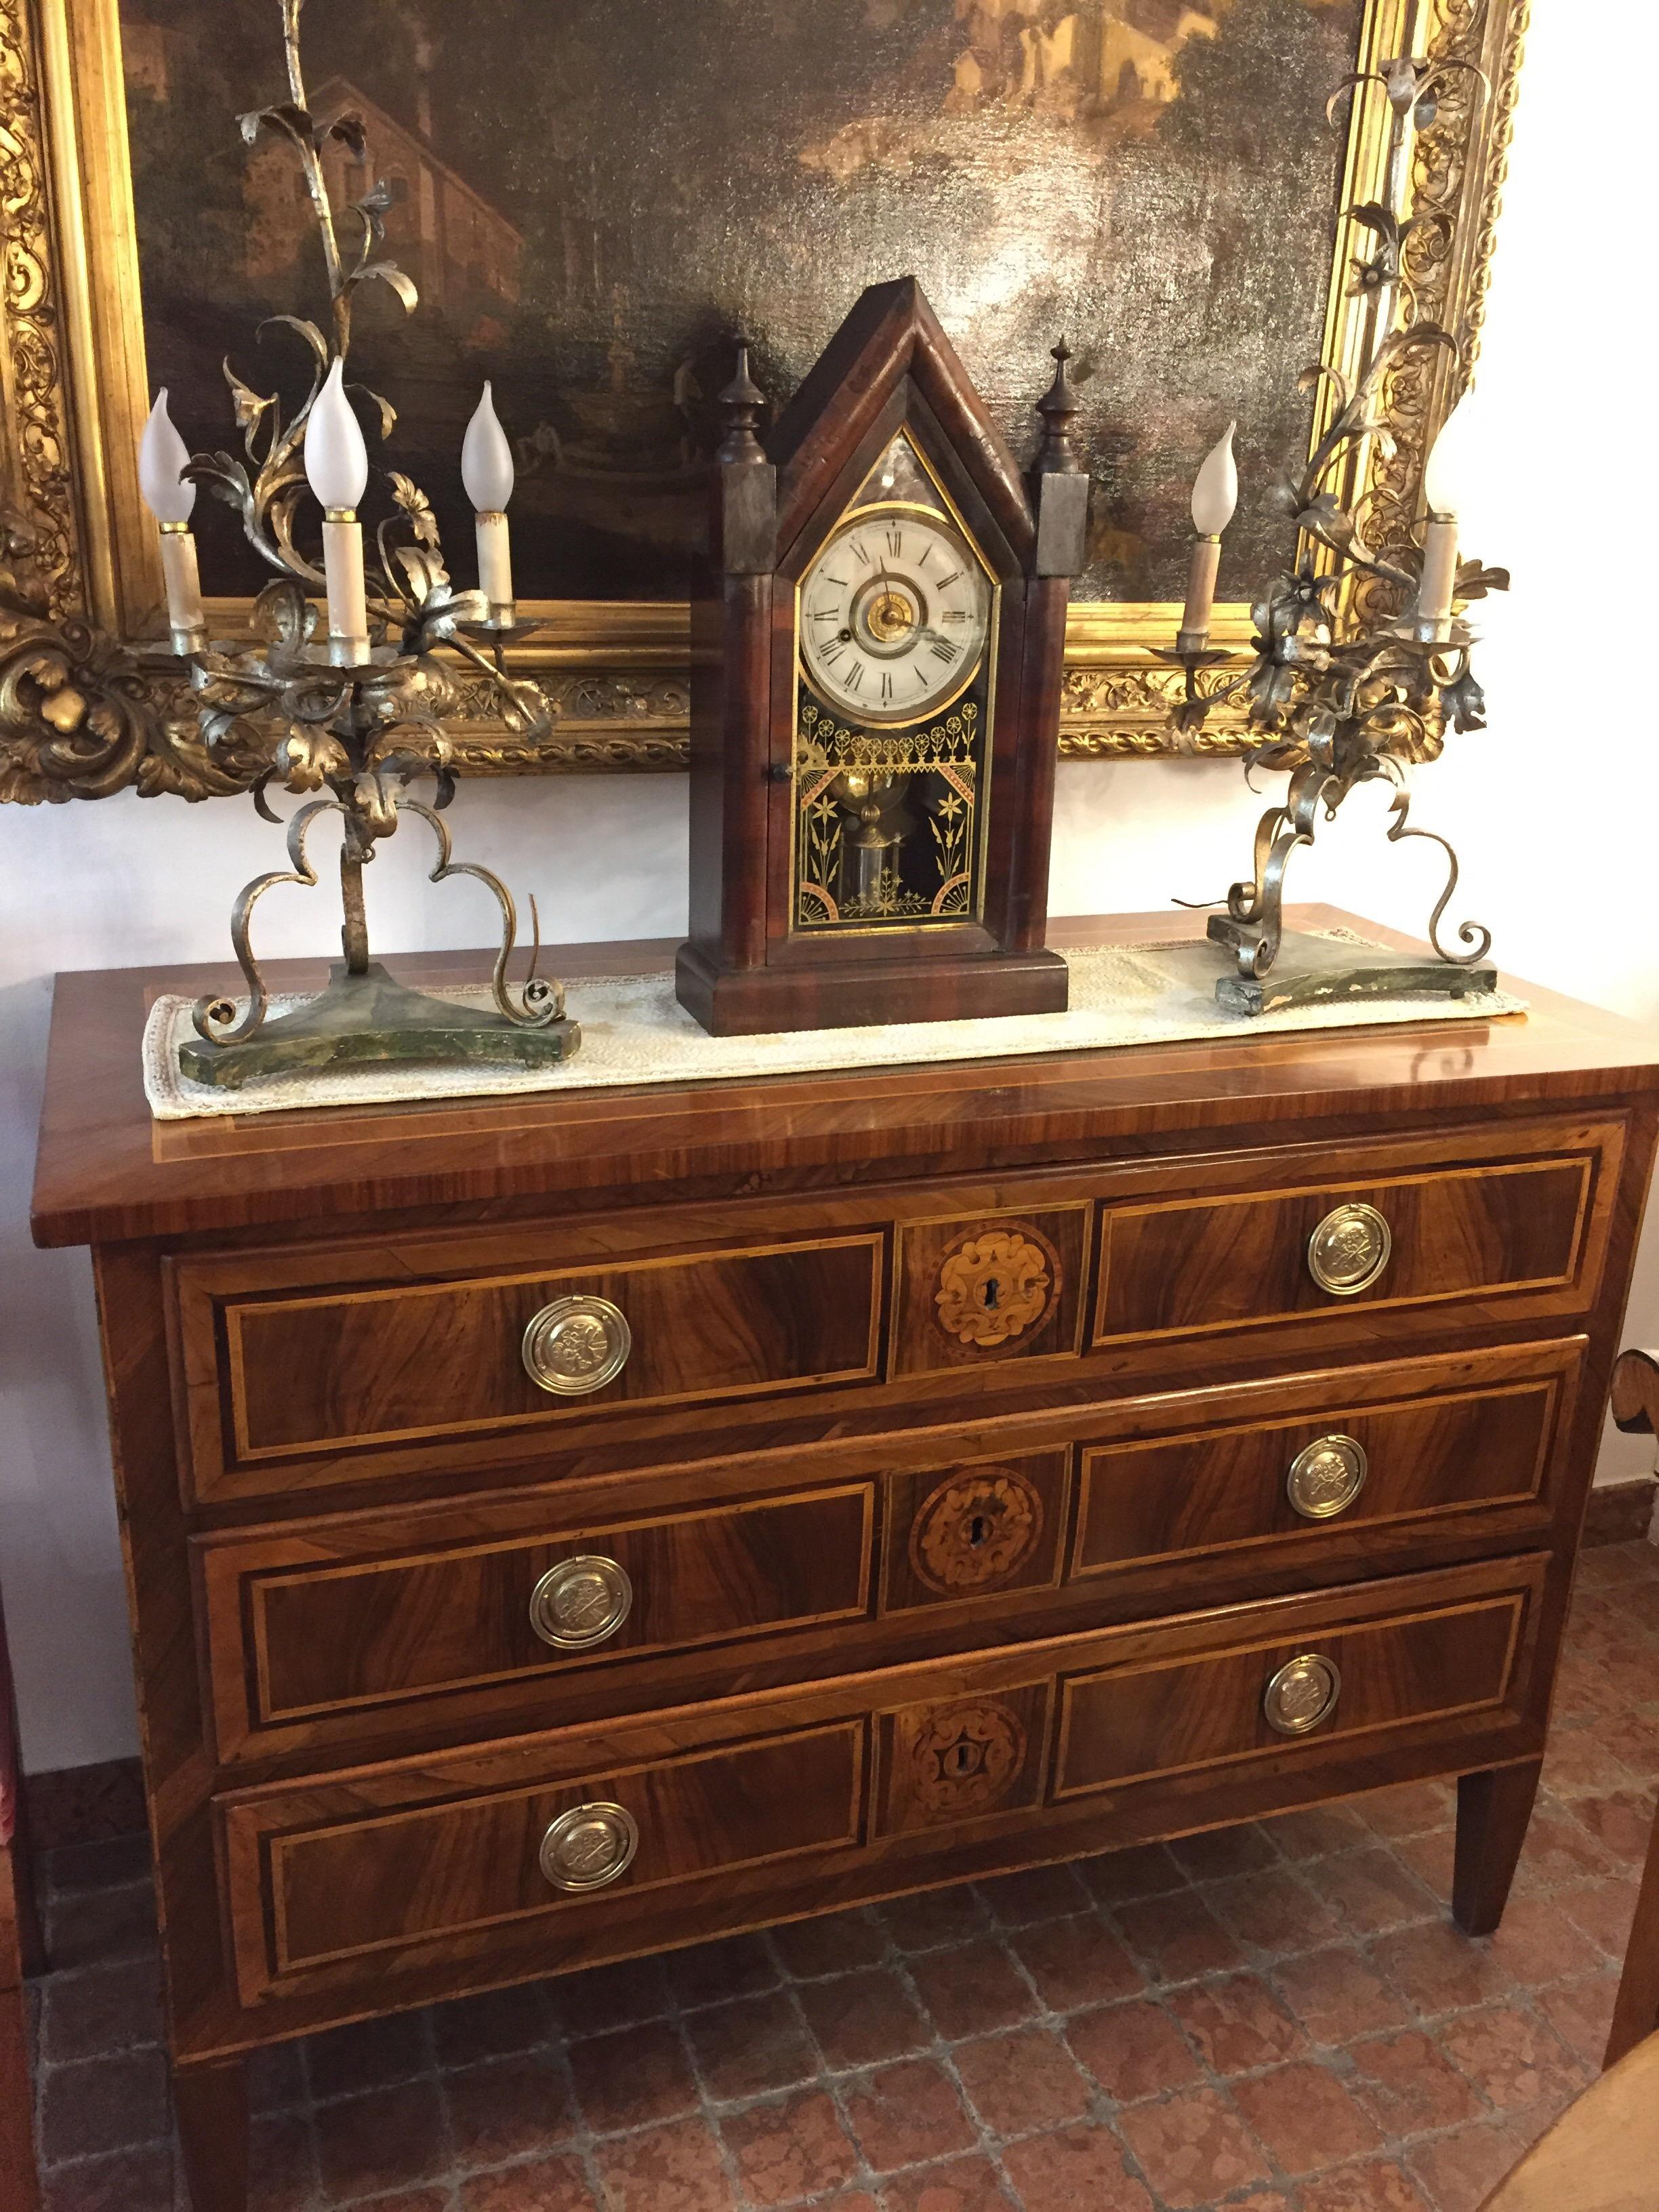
[[1058, 406], [740, 404]]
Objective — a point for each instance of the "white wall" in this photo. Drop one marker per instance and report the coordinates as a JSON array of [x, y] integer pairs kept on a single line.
[[1555, 810]]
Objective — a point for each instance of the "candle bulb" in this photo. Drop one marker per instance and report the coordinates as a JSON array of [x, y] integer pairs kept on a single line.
[[486, 473], [336, 468], [1215, 495], [170, 495], [1438, 585]]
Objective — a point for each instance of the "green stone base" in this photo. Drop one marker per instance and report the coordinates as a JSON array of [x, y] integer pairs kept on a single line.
[[370, 1019], [1318, 971]]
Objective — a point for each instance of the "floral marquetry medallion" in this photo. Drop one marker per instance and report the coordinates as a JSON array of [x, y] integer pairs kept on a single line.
[[997, 1286], [962, 1759], [976, 1530]]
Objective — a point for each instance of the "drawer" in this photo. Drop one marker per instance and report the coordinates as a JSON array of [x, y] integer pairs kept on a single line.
[[1245, 1258], [560, 1849], [298, 1633], [286, 1376]]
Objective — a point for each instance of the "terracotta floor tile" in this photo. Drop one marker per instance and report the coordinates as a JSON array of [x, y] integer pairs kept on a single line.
[[1370, 1892], [678, 2168], [1218, 1853], [545, 2184], [750, 2047], [965, 2184], [1077, 2167], [371, 2054], [1338, 1994], [605, 1997], [1408, 1809], [905, 2114], [850, 2200], [1275, 1911], [1239, 2025], [388, 2139], [1134, 2051], [1378, 2186], [1077, 1962], [1306, 2116], [413, 2200], [1020, 2082], [1513, 2059], [131, 2181], [96, 1927], [1431, 1858], [99, 2105], [1577, 1763], [1603, 1910], [972, 1989], [1558, 1854], [1620, 1821], [632, 2078], [494, 2025], [935, 1918], [1438, 1969], [509, 2108], [1408, 2086], [860, 2019], [1045, 1893], [708, 1973], [1537, 1944], [1146, 1871], [276, 2078], [788, 2152], [104, 2009], [1177, 1938], [282, 2164], [1458, 2171], [1580, 2013], [834, 1943], [1317, 1832], [1194, 2147], [110, 1863]]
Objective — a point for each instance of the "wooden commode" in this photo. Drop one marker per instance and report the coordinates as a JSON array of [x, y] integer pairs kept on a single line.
[[565, 1526]]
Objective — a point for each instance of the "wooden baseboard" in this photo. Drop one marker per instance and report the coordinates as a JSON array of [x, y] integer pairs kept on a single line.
[[1620, 1511]]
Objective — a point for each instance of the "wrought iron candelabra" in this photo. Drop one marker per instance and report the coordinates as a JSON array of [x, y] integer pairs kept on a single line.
[[358, 711], [1358, 649]]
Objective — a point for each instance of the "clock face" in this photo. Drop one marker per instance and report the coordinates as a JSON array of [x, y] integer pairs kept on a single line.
[[893, 616]]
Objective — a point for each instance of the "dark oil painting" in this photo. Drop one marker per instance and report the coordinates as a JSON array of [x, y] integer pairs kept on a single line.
[[593, 196]]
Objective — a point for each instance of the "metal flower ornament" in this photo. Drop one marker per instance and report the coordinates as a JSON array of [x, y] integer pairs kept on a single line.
[[1359, 650], [352, 700]]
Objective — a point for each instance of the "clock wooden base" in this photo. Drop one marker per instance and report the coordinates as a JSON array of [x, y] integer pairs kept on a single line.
[[840, 995]]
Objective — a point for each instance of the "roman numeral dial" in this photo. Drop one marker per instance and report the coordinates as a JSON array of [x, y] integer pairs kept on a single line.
[[895, 615]]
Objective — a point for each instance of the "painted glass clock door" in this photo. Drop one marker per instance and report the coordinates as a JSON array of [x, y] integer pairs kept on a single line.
[[896, 621]]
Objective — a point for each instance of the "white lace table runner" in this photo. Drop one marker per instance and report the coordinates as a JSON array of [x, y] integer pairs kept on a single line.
[[634, 1031]]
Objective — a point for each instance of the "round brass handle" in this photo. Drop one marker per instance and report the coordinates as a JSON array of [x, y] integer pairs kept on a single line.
[[1302, 1694], [576, 1345], [1326, 1476], [1349, 1251], [580, 1602], [589, 1846]]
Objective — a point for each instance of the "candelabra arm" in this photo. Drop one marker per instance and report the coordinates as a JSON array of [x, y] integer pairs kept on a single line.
[[1473, 934], [215, 1019], [539, 1003]]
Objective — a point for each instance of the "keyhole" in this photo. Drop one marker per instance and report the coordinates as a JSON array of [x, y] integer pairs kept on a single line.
[[960, 1759], [978, 1529], [991, 1294]]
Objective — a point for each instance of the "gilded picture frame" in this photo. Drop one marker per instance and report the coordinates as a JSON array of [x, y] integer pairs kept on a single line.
[[79, 566]]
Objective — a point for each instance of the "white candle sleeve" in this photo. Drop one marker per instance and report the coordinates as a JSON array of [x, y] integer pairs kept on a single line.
[[495, 564], [1200, 588], [182, 578], [348, 610], [1437, 589]]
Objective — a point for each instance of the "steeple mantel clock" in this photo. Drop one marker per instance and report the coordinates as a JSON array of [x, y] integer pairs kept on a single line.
[[876, 659]]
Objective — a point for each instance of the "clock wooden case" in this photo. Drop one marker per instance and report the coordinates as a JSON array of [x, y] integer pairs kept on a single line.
[[876, 654]]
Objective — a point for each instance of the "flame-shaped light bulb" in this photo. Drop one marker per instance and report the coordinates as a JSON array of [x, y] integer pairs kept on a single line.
[[336, 459], [1215, 492], [487, 458], [162, 454], [1445, 473]]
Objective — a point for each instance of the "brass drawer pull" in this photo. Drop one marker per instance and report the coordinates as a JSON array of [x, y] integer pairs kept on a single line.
[[1349, 1251], [1326, 1476], [589, 1846], [576, 1345], [1302, 1694], [580, 1602]]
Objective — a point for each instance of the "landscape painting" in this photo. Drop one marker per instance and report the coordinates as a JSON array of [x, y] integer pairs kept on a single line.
[[594, 197]]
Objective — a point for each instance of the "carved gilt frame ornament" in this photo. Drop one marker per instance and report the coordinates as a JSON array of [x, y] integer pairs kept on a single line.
[[89, 705]]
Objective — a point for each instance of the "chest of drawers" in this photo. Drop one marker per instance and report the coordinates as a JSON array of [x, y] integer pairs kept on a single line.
[[566, 1528]]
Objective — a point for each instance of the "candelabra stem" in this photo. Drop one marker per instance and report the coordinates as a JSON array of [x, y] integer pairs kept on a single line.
[[354, 936]]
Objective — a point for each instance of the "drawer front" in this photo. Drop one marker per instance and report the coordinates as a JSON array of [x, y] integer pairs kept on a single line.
[[384, 1366], [1223, 1263], [324, 1638], [1347, 1466], [519, 1857], [987, 1288]]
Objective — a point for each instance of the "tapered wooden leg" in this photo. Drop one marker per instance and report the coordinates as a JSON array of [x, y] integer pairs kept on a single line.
[[1636, 2014], [210, 2102], [20, 2187], [1493, 1809]]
